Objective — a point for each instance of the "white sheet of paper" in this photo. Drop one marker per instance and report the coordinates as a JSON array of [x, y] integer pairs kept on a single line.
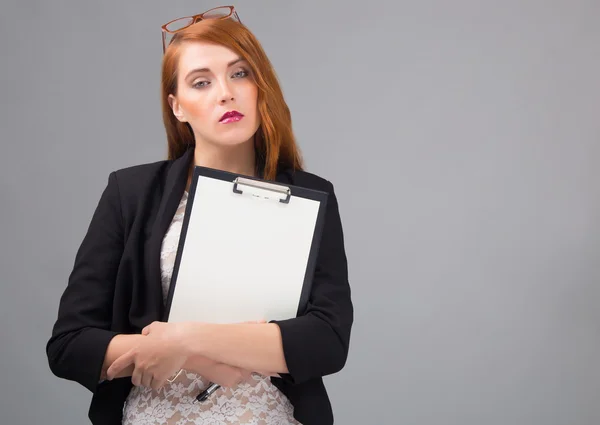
[[244, 257]]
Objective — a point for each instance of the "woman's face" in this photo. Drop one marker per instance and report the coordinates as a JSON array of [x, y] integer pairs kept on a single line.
[[216, 95]]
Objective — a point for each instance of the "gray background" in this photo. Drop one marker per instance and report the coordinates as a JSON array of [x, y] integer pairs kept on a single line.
[[463, 141]]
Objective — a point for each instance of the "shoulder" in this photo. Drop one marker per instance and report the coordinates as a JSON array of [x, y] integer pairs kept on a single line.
[[136, 185], [138, 175]]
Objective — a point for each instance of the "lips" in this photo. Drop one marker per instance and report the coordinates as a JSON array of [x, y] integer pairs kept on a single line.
[[231, 116]]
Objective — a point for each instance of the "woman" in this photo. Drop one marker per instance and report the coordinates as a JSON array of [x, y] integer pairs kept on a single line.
[[222, 108]]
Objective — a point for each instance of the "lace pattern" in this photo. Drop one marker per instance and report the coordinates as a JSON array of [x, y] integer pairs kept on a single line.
[[255, 401]]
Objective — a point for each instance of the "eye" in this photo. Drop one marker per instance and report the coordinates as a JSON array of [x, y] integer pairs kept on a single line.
[[240, 74], [200, 84]]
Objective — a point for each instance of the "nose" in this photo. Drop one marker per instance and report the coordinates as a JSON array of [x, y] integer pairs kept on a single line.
[[226, 95]]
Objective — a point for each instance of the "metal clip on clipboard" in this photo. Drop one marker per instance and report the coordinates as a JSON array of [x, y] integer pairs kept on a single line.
[[270, 187]]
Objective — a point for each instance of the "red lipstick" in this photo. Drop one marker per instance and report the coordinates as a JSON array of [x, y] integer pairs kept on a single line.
[[231, 116]]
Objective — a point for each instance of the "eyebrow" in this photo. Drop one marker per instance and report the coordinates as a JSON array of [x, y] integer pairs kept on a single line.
[[198, 70]]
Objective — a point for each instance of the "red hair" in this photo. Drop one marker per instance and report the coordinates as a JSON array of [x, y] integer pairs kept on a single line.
[[275, 142]]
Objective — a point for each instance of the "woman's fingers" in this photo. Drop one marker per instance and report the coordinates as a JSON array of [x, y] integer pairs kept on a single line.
[[136, 377], [159, 381], [121, 363], [147, 379]]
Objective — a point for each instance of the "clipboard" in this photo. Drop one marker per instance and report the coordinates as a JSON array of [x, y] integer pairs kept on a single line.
[[247, 249]]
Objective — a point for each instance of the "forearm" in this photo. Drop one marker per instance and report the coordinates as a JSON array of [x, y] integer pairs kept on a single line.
[[220, 373], [253, 347], [118, 346]]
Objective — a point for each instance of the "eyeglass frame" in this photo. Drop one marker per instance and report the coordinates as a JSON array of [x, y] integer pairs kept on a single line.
[[194, 20]]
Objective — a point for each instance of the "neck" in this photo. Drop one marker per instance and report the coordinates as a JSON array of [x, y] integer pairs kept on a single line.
[[239, 159]]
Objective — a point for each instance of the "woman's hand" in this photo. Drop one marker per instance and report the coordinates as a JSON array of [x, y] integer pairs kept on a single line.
[[163, 352], [225, 375], [220, 373], [157, 357], [174, 333]]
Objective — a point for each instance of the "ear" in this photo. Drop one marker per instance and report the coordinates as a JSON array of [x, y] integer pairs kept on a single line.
[[177, 109]]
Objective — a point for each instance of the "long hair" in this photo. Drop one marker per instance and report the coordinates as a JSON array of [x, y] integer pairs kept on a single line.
[[275, 143]]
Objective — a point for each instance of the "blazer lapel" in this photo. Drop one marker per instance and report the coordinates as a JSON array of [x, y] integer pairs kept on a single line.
[[174, 187]]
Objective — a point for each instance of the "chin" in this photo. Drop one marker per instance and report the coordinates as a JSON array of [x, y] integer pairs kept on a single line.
[[235, 137]]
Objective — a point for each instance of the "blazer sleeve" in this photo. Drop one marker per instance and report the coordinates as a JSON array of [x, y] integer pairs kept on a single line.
[[81, 333], [316, 343]]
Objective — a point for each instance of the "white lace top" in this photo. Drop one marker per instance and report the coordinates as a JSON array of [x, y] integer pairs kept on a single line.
[[256, 401]]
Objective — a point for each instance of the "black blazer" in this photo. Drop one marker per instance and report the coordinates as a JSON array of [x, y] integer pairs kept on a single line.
[[115, 288]]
